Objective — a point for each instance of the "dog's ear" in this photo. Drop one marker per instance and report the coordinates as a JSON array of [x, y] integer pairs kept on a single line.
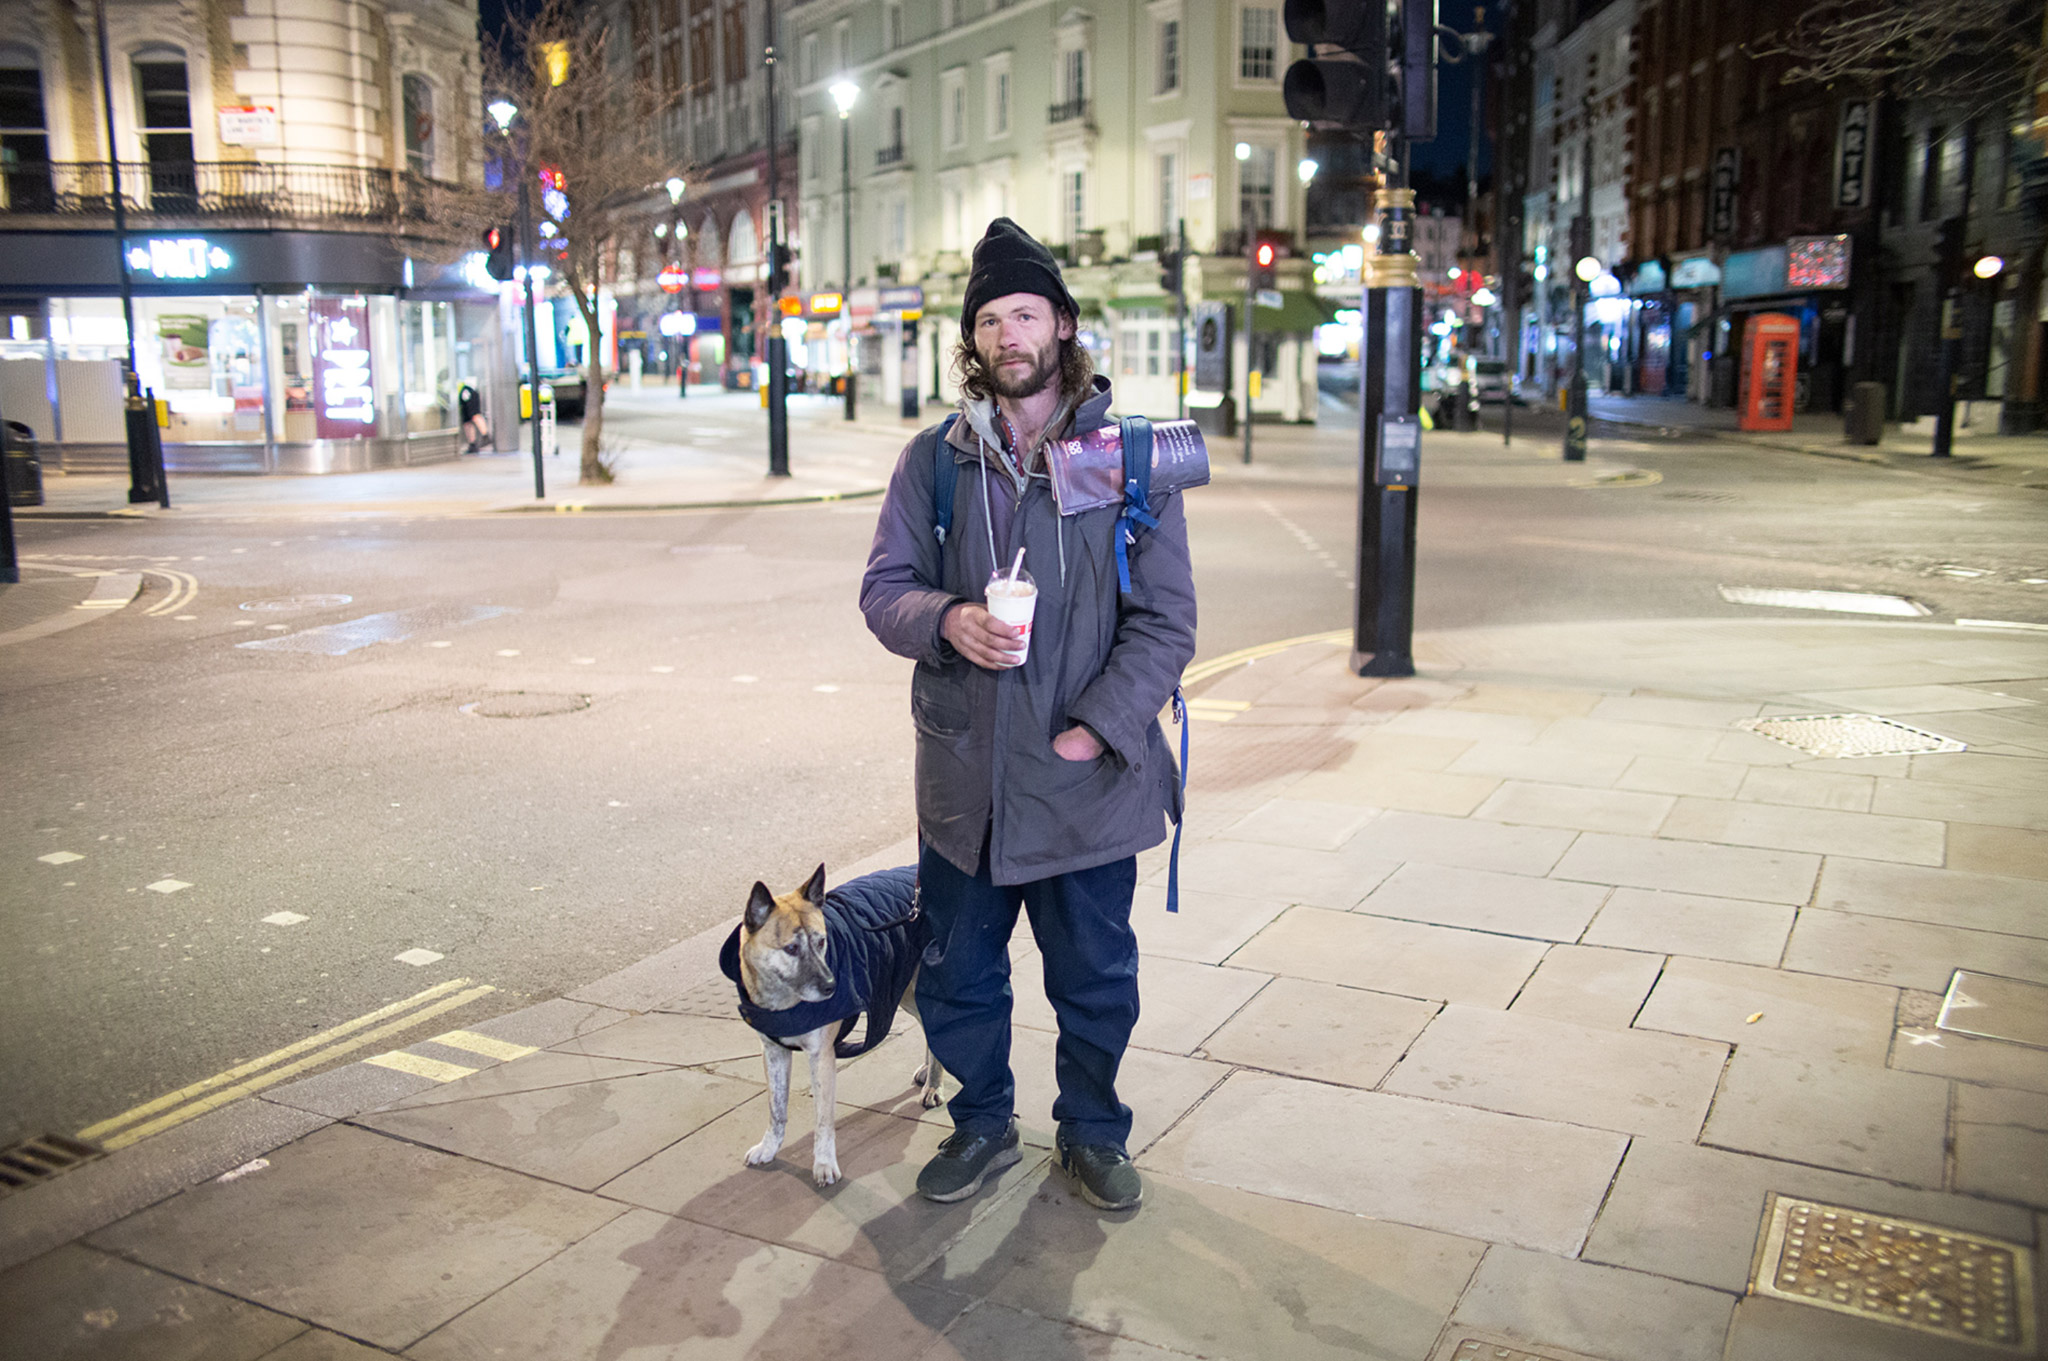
[[814, 887], [759, 904]]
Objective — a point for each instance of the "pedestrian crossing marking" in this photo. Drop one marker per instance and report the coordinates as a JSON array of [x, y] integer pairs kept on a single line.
[[399, 1061], [469, 1040]]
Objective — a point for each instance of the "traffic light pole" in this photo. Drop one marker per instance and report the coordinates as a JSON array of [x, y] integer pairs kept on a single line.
[[1949, 270], [778, 348], [1390, 438], [1582, 249], [1180, 321], [1251, 283], [526, 255]]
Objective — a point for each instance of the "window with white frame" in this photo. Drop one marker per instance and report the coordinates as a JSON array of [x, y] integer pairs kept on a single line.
[[1258, 43], [892, 25], [810, 150], [1073, 77], [1166, 55], [995, 195], [1257, 178], [1166, 165], [953, 230], [807, 58], [996, 89], [842, 45], [1073, 203], [953, 108]]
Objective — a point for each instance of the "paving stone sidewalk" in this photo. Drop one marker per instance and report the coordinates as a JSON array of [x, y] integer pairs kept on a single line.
[[1502, 1004]]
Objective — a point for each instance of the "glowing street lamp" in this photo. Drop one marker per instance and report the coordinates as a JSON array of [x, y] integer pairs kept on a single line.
[[844, 93]]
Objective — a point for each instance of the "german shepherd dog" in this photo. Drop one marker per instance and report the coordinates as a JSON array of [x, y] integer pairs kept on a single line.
[[790, 975]]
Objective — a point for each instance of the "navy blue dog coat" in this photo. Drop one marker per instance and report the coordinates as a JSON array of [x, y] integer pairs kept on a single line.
[[874, 937]]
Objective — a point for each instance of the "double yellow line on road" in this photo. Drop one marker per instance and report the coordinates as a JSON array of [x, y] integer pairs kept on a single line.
[[175, 1108]]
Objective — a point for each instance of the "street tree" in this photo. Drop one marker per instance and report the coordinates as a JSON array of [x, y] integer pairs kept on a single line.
[[586, 140]]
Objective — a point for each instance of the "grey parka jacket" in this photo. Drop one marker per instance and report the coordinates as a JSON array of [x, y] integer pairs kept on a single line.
[[985, 762]]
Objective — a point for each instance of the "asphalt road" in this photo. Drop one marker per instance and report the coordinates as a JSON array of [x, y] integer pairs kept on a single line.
[[724, 717]]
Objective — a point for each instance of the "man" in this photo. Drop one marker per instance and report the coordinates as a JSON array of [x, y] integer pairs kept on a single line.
[[1037, 782]]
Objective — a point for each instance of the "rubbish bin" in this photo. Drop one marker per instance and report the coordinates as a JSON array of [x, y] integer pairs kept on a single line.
[[1863, 413], [24, 468]]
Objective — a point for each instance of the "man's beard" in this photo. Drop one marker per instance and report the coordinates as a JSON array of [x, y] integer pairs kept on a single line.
[[1045, 368]]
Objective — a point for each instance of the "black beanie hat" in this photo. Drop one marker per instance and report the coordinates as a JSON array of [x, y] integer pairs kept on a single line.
[[1007, 260]]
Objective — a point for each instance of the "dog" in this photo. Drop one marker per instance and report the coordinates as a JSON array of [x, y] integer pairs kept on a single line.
[[808, 964]]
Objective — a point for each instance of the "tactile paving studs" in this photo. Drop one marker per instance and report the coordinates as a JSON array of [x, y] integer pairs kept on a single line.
[[1899, 1271]]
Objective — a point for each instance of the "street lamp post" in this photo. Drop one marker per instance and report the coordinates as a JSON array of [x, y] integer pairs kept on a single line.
[[503, 112], [778, 345], [675, 187], [843, 95], [1585, 269], [146, 480]]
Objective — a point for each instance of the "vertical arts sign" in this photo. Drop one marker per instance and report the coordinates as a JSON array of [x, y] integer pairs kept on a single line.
[[1727, 179], [1852, 155]]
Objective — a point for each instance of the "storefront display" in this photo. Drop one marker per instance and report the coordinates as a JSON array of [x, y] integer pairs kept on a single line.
[[258, 374]]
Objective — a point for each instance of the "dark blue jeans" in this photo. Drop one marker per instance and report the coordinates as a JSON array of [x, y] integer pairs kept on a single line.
[[1082, 922]]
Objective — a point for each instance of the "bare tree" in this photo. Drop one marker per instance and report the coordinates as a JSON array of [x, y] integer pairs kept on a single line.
[[587, 142], [1981, 50]]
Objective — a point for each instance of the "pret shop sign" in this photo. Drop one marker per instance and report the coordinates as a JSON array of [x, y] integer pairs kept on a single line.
[[344, 395]]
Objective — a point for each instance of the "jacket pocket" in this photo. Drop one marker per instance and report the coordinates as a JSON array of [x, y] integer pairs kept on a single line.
[[938, 702]]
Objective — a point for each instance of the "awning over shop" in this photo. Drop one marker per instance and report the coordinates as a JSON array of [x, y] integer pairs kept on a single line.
[[1298, 314]]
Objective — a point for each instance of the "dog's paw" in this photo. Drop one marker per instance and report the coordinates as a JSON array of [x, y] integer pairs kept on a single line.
[[825, 1171], [763, 1153], [931, 1098]]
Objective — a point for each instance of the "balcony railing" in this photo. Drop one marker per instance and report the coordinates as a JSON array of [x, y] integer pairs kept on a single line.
[[247, 190], [888, 156], [1072, 111]]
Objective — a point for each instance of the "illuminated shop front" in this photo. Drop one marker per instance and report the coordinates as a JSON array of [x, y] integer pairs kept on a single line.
[[289, 352]]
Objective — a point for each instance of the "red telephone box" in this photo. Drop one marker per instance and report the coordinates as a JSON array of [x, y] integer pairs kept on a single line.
[[1769, 372]]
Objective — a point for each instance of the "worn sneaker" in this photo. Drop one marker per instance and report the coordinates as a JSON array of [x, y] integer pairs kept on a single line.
[[1105, 1175], [964, 1160]]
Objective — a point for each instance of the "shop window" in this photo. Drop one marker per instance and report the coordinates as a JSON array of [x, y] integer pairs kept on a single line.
[[1167, 67], [24, 139], [203, 357], [419, 125], [427, 357], [164, 103]]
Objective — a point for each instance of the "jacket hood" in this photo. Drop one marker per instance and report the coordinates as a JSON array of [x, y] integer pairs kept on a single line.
[[978, 417]]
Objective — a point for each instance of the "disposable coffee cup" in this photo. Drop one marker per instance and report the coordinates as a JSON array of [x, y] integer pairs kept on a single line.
[[1014, 602]]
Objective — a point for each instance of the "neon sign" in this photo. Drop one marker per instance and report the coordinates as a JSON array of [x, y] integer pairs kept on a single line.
[[178, 258]]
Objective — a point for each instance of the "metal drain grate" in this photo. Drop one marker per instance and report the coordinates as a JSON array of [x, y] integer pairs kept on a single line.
[[1899, 1271], [38, 1160], [1849, 735]]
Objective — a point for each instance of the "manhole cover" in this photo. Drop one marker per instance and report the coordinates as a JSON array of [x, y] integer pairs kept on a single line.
[[296, 602], [525, 704], [1850, 735], [37, 1160], [1900, 1271]]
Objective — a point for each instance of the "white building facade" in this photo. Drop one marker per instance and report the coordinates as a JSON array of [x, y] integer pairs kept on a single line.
[[1100, 130], [285, 166]]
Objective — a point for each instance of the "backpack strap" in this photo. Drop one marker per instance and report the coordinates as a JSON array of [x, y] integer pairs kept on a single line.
[[1137, 512], [1137, 444], [945, 475]]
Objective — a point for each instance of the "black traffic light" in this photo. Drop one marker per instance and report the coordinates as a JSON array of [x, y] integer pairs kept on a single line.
[[1348, 88], [498, 253], [1170, 273], [1382, 69], [1264, 254]]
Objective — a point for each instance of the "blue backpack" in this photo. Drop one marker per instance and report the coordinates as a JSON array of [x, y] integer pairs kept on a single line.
[[1135, 515]]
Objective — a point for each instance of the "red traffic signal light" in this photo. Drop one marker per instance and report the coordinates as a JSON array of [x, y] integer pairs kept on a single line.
[[497, 253], [492, 236], [1265, 255]]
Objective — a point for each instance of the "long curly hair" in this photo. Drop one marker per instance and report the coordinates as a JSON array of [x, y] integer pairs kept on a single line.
[[1077, 370]]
